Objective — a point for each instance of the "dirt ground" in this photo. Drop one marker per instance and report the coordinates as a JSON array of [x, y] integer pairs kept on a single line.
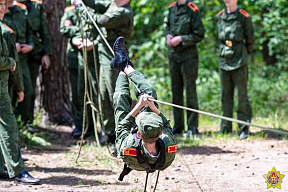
[[219, 165]]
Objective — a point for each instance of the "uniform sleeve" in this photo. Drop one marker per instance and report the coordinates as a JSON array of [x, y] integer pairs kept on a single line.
[[197, 29], [44, 34], [16, 76], [166, 122], [29, 31], [98, 6], [167, 24], [68, 31], [249, 34], [6, 62]]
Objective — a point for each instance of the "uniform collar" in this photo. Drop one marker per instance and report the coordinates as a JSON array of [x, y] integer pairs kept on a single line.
[[230, 16]]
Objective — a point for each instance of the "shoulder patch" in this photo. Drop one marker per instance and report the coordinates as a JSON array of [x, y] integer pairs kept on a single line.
[[130, 152], [69, 8], [21, 5], [220, 12], [243, 12], [11, 30], [192, 6], [172, 148], [40, 2], [172, 4]]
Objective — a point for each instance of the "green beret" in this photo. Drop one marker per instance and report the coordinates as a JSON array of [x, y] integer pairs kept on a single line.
[[149, 125]]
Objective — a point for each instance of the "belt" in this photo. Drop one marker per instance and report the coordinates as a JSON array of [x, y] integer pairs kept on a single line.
[[230, 43]]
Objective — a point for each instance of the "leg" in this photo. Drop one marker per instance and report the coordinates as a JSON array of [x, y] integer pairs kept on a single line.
[[26, 103], [244, 111], [227, 90], [34, 63], [190, 73], [177, 85], [9, 136]]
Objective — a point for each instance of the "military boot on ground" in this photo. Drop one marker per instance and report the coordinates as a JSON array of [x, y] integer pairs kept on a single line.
[[121, 55]]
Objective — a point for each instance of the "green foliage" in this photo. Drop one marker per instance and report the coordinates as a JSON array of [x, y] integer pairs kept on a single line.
[[267, 84]]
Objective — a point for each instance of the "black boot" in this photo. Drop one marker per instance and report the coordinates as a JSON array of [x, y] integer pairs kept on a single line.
[[121, 55], [26, 178]]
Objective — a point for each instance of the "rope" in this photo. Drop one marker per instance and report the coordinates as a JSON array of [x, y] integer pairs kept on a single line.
[[156, 181], [146, 181]]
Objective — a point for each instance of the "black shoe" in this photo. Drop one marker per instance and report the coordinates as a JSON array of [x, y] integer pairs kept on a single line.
[[31, 129], [176, 130], [4, 175], [25, 159], [26, 178], [77, 132], [4, 168], [244, 133], [121, 55]]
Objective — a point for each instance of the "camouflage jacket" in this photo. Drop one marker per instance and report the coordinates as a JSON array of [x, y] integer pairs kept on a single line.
[[6, 62], [37, 21], [70, 32], [116, 21], [16, 76], [236, 35], [125, 144], [187, 23], [18, 21]]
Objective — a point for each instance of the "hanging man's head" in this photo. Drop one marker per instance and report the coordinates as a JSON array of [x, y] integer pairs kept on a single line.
[[150, 126]]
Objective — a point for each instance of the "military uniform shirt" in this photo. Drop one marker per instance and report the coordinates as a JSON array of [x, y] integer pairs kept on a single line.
[[37, 21], [237, 28]]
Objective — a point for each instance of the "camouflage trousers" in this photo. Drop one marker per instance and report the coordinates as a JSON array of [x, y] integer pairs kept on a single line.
[[183, 75], [10, 151], [231, 80]]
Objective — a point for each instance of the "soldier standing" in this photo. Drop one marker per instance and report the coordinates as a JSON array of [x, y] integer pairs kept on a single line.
[[184, 29], [116, 20], [17, 18], [10, 151], [236, 36], [41, 51], [152, 146]]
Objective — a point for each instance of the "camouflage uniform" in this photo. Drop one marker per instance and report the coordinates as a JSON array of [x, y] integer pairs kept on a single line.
[[17, 19], [124, 123], [74, 60], [236, 35], [76, 67], [184, 21], [42, 45], [15, 77], [115, 22], [11, 153]]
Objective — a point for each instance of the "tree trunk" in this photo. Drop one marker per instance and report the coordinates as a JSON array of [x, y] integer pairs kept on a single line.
[[55, 82]]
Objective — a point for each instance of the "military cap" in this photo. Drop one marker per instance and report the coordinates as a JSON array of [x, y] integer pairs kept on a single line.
[[149, 125]]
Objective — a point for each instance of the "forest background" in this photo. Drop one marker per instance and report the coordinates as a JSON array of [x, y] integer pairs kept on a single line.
[[268, 69]]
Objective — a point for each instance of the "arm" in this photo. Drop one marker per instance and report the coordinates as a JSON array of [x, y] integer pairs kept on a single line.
[[46, 43], [197, 30], [6, 62], [249, 34], [167, 30], [68, 26]]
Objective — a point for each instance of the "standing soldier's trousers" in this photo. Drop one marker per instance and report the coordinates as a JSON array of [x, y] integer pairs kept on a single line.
[[229, 81], [107, 82], [10, 151], [25, 106], [183, 75]]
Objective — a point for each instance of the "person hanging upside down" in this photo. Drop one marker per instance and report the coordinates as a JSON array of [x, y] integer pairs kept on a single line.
[[144, 138]]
